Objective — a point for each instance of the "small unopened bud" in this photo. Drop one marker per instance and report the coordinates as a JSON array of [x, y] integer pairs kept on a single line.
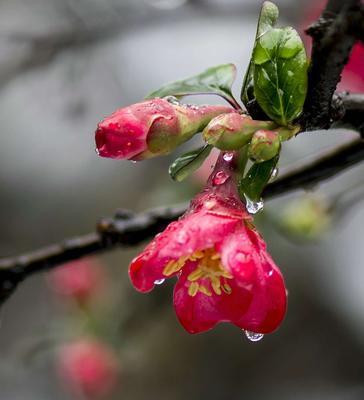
[[264, 145], [307, 217], [151, 128], [233, 131]]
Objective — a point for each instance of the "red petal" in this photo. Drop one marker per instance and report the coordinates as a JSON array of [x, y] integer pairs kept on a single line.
[[196, 231], [245, 257], [202, 312]]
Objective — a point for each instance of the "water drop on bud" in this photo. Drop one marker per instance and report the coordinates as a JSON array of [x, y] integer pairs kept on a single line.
[[173, 100], [159, 281], [228, 156], [253, 207], [220, 178]]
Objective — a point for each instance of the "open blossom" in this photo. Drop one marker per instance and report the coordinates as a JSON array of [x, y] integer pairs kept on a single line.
[[88, 368], [151, 128], [224, 271]]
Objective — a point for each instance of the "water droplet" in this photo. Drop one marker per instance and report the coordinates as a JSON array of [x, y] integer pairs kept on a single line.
[[270, 273], [252, 336], [210, 204], [254, 207], [133, 161], [220, 178], [159, 281], [97, 151], [242, 257], [274, 175], [182, 237], [228, 156], [173, 100]]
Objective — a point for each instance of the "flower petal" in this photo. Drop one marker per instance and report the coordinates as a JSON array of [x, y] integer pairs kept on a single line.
[[195, 231], [245, 257], [201, 312]]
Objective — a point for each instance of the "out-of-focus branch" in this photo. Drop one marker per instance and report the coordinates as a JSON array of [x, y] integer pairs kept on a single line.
[[333, 36], [129, 229]]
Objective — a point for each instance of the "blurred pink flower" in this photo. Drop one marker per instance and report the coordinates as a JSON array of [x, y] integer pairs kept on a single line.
[[88, 368], [80, 280]]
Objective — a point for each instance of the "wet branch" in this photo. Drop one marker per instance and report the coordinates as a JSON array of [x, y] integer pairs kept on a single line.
[[129, 229], [334, 35]]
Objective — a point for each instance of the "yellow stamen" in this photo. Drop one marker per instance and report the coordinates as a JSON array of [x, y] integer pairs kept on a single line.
[[193, 289], [209, 275], [196, 274], [216, 286], [227, 288], [205, 291], [171, 268]]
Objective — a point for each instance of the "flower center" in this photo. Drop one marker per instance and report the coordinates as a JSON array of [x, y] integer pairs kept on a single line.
[[209, 275]]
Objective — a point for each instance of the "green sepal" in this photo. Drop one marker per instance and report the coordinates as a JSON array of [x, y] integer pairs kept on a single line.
[[256, 179], [188, 163], [215, 80]]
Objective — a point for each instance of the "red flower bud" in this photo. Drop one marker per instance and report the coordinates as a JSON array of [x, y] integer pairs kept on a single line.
[[80, 279], [152, 128], [88, 368]]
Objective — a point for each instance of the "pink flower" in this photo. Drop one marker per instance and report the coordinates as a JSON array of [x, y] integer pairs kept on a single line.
[[88, 368], [224, 271], [79, 280], [151, 128]]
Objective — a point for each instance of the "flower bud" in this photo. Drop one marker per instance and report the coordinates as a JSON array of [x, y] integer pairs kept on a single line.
[[151, 128], [307, 218], [233, 131], [79, 280], [264, 145], [88, 368]]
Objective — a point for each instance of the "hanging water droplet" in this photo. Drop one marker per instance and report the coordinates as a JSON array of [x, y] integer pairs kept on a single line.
[[274, 175], [254, 207], [173, 100], [97, 151], [252, 336], [133, 161], [182, 237], [159, 281], [228, 156], [220, 178]]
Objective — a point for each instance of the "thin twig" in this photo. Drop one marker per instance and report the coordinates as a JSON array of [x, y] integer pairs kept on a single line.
[[128, 229], [333, 37]]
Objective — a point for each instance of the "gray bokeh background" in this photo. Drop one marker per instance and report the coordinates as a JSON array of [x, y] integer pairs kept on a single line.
[[64, 65]]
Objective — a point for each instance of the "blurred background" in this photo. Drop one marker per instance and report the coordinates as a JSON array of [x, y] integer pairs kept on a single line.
[[64, 65]]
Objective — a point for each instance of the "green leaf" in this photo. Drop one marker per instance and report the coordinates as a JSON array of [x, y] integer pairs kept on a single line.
[[189, 162], [253, 184], [280, 74], [267, 18], [216, 80]]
